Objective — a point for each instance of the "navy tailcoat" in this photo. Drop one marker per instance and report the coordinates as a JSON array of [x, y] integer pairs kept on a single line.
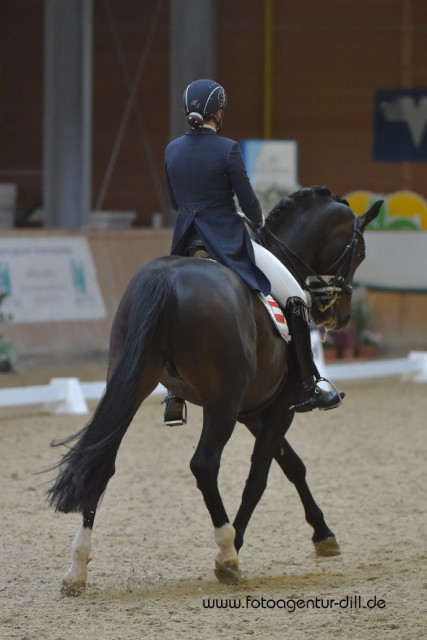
[[204, 171]]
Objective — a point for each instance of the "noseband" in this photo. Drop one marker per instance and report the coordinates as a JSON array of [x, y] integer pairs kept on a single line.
[[325, 289]]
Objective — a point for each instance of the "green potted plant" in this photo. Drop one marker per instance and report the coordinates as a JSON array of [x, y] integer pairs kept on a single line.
[[367, 341], [357, 340], [5, 347]]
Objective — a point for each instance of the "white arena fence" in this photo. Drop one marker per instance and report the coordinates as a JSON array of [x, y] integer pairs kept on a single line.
[[61, 395], [70, 395]]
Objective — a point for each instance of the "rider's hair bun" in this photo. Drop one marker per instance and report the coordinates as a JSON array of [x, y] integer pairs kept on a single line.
[[195, 120]]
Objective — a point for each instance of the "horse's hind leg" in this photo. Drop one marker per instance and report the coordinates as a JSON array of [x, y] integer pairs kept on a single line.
[[75, 579]]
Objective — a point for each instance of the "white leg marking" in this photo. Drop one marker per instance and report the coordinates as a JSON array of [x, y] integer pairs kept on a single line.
[[224, 537], [80, 550]]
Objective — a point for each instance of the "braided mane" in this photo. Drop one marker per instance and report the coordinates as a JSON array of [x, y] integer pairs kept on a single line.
[[288, 201]]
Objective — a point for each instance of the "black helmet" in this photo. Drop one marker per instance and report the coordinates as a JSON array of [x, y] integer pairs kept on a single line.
[[204, 97]]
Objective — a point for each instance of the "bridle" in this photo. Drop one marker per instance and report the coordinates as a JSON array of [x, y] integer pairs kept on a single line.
[[324, 289]]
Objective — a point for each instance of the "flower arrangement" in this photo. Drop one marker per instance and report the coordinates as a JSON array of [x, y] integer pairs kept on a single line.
[[370, 338], [357, 340], [361, 319]]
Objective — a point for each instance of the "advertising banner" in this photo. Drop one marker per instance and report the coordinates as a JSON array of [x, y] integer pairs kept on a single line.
[[400, 125], [271, 163], [396, 241], [48, 279]]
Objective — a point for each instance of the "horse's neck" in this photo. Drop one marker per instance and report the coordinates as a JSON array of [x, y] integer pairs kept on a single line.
[[297, 244]]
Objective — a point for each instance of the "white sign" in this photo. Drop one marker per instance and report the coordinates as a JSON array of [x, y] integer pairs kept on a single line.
[[271, 163], [48, 279]]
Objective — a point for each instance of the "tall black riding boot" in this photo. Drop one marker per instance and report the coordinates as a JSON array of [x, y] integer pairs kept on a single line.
[[309, 395], [175, 410]]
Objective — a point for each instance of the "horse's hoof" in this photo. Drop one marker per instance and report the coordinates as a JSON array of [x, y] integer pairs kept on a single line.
[[72, 589], [228, 572], [327, 548]]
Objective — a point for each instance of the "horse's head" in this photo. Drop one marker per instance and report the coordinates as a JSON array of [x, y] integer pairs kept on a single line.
[[320, 240]]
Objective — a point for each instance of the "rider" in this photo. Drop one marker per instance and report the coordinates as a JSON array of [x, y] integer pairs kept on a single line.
[[204, 171]]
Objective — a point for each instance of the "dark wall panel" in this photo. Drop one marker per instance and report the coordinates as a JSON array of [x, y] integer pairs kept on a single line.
[[21, 96], [328, 60]]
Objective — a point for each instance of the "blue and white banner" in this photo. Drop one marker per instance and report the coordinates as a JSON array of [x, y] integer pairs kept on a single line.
[[400, 125]]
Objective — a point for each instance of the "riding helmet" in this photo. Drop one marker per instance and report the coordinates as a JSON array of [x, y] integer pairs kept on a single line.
[[204, 97]]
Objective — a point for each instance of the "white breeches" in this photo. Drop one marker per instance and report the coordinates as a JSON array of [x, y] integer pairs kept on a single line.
[[283, 284]]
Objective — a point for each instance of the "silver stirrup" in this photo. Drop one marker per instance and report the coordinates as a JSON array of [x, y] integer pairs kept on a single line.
[[331, 384]]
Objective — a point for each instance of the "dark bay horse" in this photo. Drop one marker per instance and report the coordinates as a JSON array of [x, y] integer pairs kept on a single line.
[[192, 324]]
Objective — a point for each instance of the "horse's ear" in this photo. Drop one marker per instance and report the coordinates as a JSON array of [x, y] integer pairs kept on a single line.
[[370, 215]]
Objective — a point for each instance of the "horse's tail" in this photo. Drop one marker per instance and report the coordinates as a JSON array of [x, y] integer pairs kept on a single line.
[[84, 471]]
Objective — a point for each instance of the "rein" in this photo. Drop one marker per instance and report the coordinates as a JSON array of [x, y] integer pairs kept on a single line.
[[324, 289]]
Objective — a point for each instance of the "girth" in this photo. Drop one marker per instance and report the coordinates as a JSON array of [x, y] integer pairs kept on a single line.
[[246, 414]]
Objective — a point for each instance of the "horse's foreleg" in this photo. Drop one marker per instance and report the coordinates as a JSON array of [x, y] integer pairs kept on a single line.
[[294, 469], [75, 579], [217, 429], [266, 442], [324, 540]]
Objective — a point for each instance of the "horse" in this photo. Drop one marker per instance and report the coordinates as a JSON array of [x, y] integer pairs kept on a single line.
[[192, 324]]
